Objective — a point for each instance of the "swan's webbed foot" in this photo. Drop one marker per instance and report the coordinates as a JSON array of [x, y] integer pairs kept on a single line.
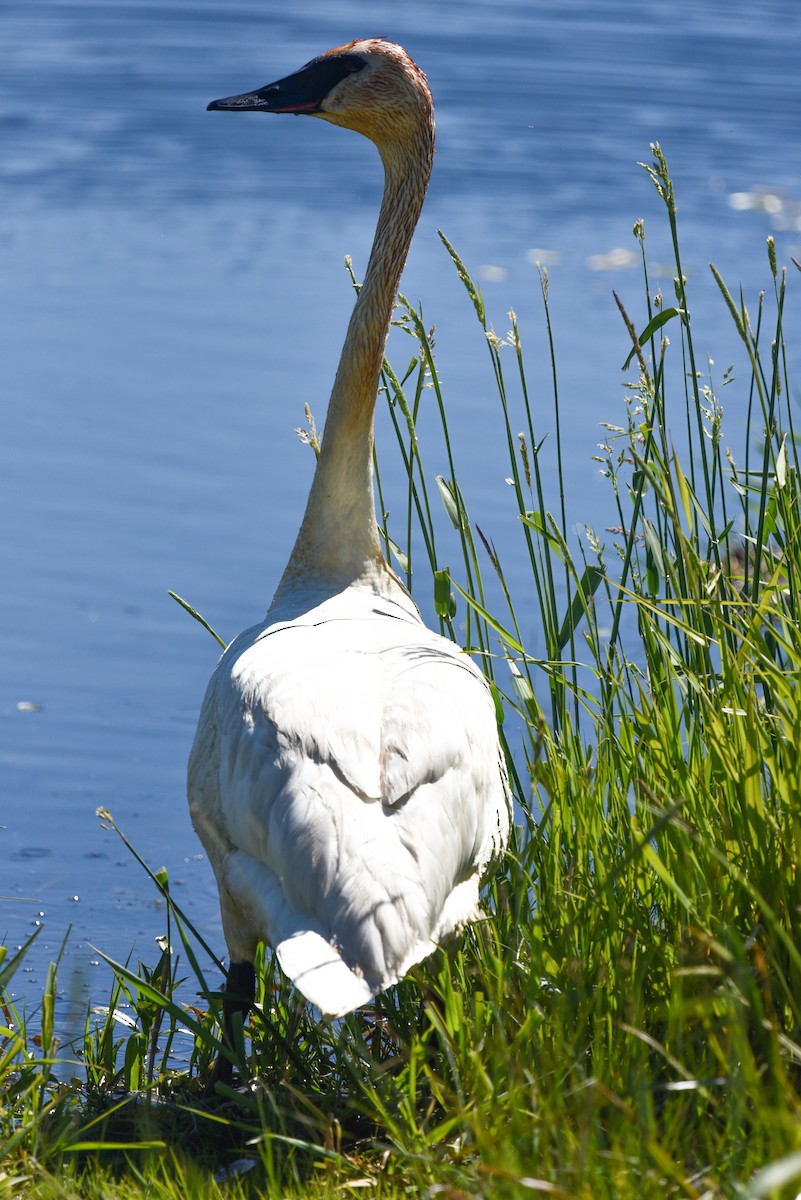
[[238, 995]]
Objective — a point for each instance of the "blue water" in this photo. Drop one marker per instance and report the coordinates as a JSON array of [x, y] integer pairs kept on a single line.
[[172, 293]]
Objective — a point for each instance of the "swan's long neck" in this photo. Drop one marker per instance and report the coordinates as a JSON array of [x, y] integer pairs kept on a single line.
[[338, 540]]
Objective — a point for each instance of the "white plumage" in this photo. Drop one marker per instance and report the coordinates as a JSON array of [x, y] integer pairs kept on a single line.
[[346, 777], [341, 787]]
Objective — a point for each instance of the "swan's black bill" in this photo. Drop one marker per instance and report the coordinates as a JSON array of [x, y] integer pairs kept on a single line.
[[302, 92]]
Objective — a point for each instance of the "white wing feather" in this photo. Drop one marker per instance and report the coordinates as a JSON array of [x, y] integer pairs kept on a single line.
[[346, 783]]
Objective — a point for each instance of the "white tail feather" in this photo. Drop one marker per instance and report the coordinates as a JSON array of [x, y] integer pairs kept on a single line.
[[316, 968]]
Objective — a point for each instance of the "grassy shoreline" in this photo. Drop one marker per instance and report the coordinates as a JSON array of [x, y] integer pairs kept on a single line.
[[626, 1021]]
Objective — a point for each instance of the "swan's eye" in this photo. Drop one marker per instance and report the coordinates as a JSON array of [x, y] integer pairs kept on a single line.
[[353, 63], [329, 70]]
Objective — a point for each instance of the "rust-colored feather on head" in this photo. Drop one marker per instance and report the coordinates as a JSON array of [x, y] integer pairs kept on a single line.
[[389, 100]]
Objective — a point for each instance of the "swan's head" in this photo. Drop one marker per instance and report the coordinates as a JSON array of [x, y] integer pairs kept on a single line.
[[371, 86]]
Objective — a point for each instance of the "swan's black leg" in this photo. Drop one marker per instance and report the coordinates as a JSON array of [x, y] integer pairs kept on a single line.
[[238, 995]]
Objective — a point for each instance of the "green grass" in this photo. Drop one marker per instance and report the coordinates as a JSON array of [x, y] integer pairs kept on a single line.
[[626, 1021]]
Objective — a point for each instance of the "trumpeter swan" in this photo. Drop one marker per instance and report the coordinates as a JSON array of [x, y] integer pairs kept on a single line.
[[346, 778]]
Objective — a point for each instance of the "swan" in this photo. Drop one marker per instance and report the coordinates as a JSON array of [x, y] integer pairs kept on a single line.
[[346, 778]]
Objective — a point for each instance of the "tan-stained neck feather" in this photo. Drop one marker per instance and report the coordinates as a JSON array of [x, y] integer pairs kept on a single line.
[[338, 539]]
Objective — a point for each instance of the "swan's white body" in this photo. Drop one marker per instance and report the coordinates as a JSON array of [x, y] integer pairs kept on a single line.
[[348, 788], [346, 777]]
